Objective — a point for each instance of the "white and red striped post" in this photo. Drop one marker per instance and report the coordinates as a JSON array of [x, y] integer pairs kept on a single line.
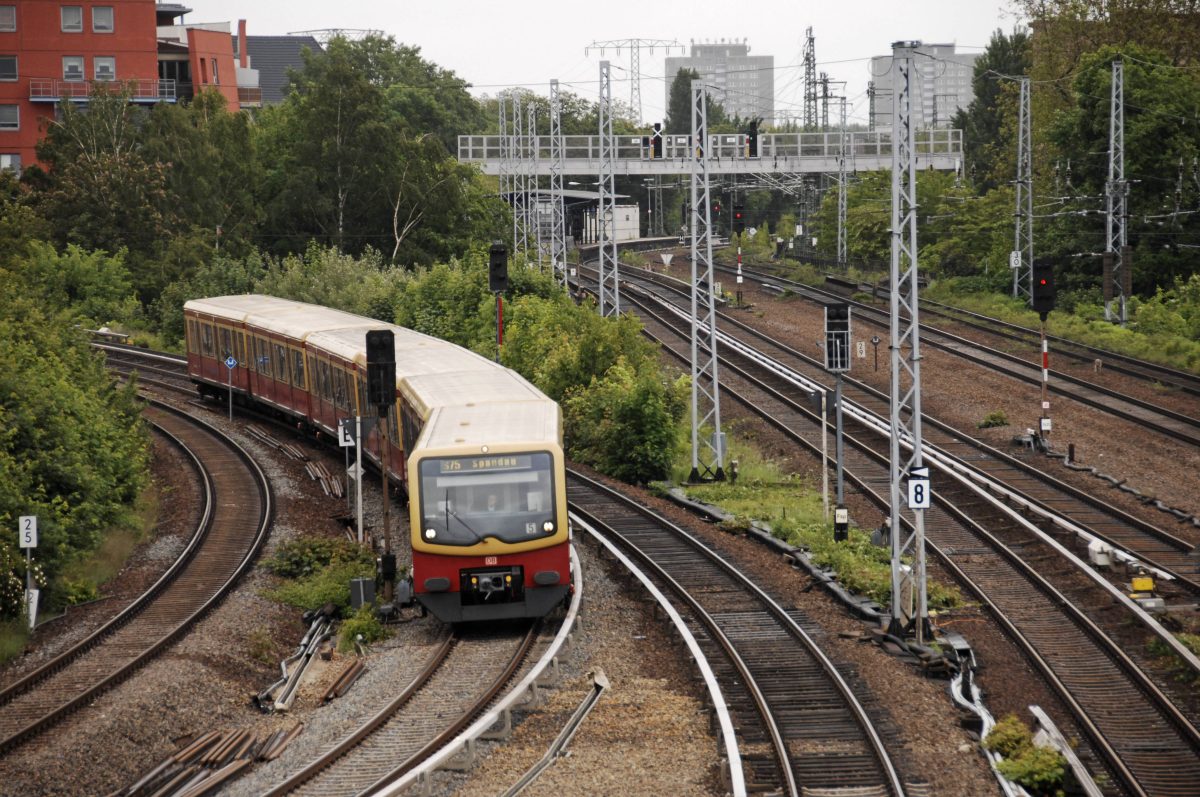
[[739, 272], [1044, 429]]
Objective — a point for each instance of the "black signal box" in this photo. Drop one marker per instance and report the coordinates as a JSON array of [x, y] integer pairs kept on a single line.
[[381, 367], [837, 337], [498, 268], [1041, 298]]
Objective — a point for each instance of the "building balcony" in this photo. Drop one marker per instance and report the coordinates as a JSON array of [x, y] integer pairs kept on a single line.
[[140, 90], [250, 96]]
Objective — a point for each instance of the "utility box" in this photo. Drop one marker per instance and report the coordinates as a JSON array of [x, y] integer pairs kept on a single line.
[[362, 592]]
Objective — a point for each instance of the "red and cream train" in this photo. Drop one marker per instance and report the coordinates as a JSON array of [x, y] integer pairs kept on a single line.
[[478, 448]]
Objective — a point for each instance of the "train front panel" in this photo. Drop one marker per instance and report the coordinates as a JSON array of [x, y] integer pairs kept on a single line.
[[489, 533]]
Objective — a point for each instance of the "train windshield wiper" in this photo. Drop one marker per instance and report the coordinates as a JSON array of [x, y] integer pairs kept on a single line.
[[450, 513]]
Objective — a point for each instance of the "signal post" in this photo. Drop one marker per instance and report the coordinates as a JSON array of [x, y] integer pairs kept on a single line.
[[381, 391], [1042, 299]]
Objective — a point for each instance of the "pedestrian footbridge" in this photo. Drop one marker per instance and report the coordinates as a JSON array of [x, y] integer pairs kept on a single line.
[[729, 153]]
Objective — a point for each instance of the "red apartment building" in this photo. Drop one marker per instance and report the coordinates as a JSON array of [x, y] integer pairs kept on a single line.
[[56, 52]]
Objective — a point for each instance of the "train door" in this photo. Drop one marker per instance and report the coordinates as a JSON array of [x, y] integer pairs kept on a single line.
[[298, 398], [208, 350], [281, 386], [260, 364]]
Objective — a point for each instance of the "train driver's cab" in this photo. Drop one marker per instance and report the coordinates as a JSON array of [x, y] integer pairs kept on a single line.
[[509, 497]]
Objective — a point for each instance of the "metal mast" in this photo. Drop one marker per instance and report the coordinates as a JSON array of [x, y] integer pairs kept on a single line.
[[871, 106], [505, 167], [810, 81], [533, 217], [635, 72], [706, 402], [558, 218], [842, 186], [1022, 256], [1117, 277], [610, 297], [908, 581], [519, 189], [824, 101]]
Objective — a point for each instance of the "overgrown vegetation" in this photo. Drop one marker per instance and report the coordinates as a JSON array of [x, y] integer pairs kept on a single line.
[[317, 571], [793, 509], [993, 419], [1041, 770]]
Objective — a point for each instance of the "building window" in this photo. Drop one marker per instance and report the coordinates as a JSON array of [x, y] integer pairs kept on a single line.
[[216, 77], [105, 67], [10, 117], [102, 19], [8, 67], [10, 161], [8, 19], [73, 67], [72, 19]]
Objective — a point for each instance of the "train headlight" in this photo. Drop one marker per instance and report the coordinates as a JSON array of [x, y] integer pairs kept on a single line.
[[430, 534], [548, 526]]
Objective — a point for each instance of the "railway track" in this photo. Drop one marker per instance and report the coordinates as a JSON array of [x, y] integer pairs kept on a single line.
[[1095, 518], [801, 725], [237, 515], [1080, 353], [1085, 666], [1179, 426]]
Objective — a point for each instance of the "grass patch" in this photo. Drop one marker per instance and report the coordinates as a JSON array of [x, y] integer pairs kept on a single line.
[[80, 580], [13, 636], [794, 510], [1085, 325]]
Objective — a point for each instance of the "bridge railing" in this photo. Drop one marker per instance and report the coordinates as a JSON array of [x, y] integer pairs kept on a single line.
[[864, 144]]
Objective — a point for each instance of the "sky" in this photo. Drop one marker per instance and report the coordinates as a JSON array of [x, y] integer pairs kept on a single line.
[[495, 45]]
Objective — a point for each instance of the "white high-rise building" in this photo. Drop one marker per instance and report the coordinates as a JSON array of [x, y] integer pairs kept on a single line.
[[940, 85], [744, 84]]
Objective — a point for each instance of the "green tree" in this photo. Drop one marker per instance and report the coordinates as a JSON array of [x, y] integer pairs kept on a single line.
[[981, 121], [679, 105]]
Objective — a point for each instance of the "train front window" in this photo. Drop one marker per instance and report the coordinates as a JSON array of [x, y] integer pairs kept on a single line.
[[506, 496]]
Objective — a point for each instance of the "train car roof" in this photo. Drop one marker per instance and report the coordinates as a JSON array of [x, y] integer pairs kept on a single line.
[[524, 423], [284, 316], [481, 386]]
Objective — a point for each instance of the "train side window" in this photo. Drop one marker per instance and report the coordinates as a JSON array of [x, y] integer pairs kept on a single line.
[[206, 339], [323, 381], [263, 356], [226, 342], [241, 348], [281, 363], [193, 337], [339, 388], [298, 369]]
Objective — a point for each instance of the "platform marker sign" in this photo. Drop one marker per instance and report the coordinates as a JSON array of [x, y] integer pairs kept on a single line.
[[346, 433], [918, 488]]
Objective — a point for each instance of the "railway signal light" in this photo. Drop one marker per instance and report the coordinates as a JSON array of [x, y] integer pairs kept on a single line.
[[837, 337], [498, 268], [739, 219], [381, 367], [752, 140], [1041, 299]]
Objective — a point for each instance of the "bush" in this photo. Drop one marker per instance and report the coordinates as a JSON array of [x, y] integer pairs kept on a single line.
[[362, 623], [330, 584], [993, 419], [306, 555], [1039, 769]]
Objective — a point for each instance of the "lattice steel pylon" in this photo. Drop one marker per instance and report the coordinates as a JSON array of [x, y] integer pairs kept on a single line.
[[1116, 277], [843, 188], [635, 69], [1022, 257], [533, 216], [520, 193], [810, 81], [505, 168], [706, 386], [610, 287], [908, 581], [558, 217]]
